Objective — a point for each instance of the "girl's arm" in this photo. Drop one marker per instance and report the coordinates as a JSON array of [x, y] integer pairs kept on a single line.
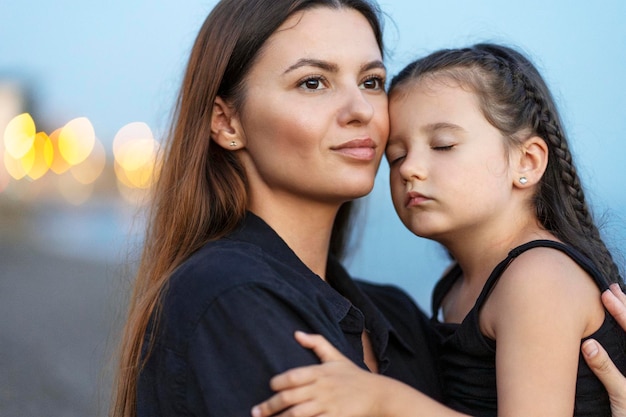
[[338, 388], [599, 361], [541, 308]]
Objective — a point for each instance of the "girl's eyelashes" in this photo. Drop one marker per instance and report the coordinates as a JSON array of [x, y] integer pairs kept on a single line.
[[442, 148], [394, 158]]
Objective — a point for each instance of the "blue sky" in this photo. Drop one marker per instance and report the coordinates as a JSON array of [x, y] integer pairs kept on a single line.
[[120, 61]]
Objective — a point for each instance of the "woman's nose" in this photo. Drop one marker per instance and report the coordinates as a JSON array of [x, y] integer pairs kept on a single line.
[[358, 108]]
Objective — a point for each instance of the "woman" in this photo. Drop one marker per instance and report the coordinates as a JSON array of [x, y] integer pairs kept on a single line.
[[281, 122]]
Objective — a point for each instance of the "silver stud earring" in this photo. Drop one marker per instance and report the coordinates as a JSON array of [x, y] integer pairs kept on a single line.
[[233, 143], [523, 180]]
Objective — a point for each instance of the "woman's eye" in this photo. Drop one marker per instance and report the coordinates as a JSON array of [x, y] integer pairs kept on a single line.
[[314, 83], [373, 83]]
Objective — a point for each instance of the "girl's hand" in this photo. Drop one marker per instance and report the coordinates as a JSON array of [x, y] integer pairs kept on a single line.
[[337, 387], [599, 361]]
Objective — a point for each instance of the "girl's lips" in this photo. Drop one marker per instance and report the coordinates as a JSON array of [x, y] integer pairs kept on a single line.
[[414, 199]]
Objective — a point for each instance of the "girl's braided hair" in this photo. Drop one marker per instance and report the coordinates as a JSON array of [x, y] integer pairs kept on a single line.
[[516, 100]]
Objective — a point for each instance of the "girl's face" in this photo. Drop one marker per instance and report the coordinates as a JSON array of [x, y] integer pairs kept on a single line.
[[449, 169], [315, 117]]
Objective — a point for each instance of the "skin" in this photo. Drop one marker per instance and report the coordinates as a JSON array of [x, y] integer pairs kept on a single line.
[[454, 181], [313, 127]]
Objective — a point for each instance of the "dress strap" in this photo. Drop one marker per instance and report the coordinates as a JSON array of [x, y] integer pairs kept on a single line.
[[442, 287], [573, 253]]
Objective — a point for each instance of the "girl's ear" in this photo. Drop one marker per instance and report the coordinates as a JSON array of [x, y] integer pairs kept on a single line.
[[226, 129], [533, 160]]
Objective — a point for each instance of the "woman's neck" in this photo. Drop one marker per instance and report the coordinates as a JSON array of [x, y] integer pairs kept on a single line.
[[305, 226]]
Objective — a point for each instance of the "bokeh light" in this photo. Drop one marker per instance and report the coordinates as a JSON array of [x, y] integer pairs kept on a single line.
[[90, 169], [134, 146], [59, 164], [68, 162], [39, 157], [136, 155], [76, 140], [19, 135], [14, 167]]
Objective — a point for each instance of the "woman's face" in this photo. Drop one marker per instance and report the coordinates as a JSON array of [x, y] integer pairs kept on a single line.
[[314, 119]]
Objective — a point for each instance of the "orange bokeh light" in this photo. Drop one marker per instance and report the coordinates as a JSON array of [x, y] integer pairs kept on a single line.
[[39, 157], [59, 164]]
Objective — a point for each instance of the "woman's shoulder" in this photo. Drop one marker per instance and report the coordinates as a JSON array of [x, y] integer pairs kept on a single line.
[[219, 266], [220, 276]]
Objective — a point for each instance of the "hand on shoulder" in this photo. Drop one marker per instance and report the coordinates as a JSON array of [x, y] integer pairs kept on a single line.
[[599, 361]]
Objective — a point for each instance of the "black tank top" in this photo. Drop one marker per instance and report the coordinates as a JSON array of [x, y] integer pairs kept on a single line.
[[468, 358]]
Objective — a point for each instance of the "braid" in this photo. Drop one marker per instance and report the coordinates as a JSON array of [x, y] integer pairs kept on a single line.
[[575, 223]]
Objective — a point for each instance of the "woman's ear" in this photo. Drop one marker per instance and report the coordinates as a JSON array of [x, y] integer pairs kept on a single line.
[[532, 163], [225, 127]]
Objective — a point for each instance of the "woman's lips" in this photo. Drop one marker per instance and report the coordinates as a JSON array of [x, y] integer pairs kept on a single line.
[[361, 149]]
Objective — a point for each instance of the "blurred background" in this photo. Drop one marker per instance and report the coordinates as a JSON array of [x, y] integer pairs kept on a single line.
[[86, 91]]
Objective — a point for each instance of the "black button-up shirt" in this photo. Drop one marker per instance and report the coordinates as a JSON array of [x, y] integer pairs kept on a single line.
[[229, 314]]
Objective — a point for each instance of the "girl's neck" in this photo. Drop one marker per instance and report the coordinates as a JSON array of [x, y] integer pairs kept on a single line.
[[305, 226], [478, 253]]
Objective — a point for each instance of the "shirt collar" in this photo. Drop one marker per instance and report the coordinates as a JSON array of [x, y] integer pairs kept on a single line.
[[256, 231]]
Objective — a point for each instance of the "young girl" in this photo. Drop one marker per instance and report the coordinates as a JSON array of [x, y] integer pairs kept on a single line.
[[480, 163]]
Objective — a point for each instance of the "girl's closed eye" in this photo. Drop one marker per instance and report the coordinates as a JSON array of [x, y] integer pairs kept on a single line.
[[442, 147], [395, 157]]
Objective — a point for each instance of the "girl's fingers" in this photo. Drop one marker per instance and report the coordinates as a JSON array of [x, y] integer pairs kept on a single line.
[[281, 401], [294, 386], [322, 348], [294, 378]]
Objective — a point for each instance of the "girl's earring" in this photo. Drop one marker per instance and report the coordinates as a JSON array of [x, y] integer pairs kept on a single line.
[[523, 180], [233, 143]]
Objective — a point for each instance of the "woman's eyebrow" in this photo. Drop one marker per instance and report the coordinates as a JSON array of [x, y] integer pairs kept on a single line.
[[317, 63], [377, 64], [331, 67]]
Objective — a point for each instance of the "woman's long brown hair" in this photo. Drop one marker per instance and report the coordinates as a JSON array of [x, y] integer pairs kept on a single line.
[[200, 194]]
